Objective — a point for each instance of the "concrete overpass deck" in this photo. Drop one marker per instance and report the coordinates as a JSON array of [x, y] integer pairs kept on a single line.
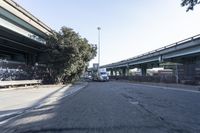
[[14, 13]]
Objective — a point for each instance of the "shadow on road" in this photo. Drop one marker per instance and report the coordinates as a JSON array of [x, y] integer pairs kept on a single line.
[[9, 114]]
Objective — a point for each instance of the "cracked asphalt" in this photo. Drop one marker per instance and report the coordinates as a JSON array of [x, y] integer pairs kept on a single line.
[[114, 107]]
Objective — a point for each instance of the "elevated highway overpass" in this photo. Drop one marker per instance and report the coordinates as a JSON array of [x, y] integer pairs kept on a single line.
[[22, 36], [185, 53]]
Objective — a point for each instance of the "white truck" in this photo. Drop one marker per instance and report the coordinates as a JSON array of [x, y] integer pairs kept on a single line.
[[100, 74]]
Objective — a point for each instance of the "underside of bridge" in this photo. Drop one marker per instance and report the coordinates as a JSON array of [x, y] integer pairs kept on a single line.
[[15, 47], [19, 56]]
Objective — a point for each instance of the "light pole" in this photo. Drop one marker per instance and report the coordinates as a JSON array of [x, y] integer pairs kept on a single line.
[[99, 28]]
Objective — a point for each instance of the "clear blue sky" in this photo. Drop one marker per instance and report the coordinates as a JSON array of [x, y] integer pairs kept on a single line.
[[129, 27]]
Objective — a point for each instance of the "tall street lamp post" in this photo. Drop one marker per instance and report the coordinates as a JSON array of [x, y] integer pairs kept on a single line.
[[99, 28]]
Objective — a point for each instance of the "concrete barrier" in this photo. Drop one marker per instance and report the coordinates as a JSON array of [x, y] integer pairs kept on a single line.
[[19, 83]]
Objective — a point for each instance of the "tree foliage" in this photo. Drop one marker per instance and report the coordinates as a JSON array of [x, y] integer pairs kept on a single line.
[[68, 55], [190, 4]]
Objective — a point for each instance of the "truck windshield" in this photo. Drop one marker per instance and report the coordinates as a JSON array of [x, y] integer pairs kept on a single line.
[[103, 73]]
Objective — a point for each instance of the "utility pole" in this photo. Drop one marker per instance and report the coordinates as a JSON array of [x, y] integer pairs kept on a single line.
[[99, 28]]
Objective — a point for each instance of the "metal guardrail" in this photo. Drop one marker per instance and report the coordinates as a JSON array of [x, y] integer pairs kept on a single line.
[[159, 49]]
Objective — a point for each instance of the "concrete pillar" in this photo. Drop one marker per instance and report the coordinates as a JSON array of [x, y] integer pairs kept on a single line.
[[111, 72], [144, 70], [120, 72], [114, 73], [125, 71]]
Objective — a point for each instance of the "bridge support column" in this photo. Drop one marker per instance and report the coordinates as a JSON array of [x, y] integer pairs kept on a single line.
[[117, 72], [120, 72], [144, 70], [125, 71], [114, 73], [111, 72]]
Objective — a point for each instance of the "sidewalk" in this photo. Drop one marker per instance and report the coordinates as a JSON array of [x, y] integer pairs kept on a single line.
[[16, 101]]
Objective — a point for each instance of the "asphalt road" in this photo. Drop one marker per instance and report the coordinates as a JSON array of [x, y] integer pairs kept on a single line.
[[114, 107]]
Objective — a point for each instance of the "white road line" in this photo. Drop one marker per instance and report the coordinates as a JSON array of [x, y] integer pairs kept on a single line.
[[134, 102]]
